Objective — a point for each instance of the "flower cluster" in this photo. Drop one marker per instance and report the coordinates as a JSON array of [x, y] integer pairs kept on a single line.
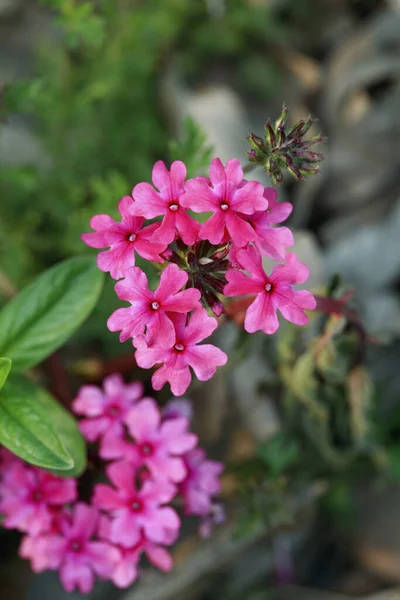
[[200, 264], [154, 461]]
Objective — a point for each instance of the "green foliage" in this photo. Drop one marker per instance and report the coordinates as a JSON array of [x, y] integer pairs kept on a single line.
[[279, 454], [46, 313], [5, 368], [192, 149], [37, 429]]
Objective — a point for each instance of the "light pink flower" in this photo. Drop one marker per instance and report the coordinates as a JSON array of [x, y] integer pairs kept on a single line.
[[229, 199], [148, 309], [159, 446], [29, 495], [123, 239], [183, 353], [73, 551], [178, 407], [106, 411], [150, 204], [136, 511], [126, 570], [273, 292], [201, 483], [272, 241]]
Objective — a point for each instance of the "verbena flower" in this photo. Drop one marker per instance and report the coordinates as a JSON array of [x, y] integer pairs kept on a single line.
[[228, 199], [135, 511], [274, 292], [124, 239], [201, 483], [183, 353], [157, 445], [167, 202], [74, 551], [28, 495], [105, 410], [149, 309]]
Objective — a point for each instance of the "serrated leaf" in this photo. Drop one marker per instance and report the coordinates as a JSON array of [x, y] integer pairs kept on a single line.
[[5, 367], [35, 427], [48, 311]]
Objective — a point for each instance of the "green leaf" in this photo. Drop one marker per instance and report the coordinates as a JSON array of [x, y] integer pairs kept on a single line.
[[48, 311], [37, 429], [5, 367], [279, 454]]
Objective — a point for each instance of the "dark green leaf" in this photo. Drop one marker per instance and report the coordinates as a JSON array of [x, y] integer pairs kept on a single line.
[[47, 312], [37, 429], [5, 367]]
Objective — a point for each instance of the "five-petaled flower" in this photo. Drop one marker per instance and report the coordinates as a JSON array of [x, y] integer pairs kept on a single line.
[[183, 353], [149, 309], [273, 292], [123, 239]]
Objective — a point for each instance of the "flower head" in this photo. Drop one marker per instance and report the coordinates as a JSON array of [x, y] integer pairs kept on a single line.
[[183, 353], [105, 410], [229, 199], [151, 203], [149, 309], [74, 551], [273, 292], [124, 239], [28, 496], [136, 511]]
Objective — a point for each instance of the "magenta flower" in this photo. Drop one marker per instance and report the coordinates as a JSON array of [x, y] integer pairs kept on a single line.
[[272, 241], [149, 308], [29, 496], [136, 511], [126, 570], [183, 353], [73, 551], [273, 292], [149, 203], [106, 411], [201, 483], [123, 239], [229, 199], [158, 446]]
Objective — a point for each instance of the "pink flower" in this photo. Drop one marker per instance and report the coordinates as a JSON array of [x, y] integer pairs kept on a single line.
[[178, 407], [136, 511], [73, 551], [229, 199], [167, 202], [202, 482], [273, 292], [183, 353], [149, 308], [158, 446], [106, 411], [123, 239], [29, 495], [271, 241], [126, 570]]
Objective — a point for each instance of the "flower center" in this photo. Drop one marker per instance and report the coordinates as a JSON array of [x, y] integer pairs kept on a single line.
[[174, 206], [179, 347], [37, 496], [75, 546], [268, 287], [132, 237], [147, 449], [114, 411], [224, 206], [155, 305], [136, 505]]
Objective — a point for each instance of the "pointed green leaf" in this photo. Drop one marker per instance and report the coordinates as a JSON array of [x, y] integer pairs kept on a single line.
[[5, 367], [37, 429], [48, 311]]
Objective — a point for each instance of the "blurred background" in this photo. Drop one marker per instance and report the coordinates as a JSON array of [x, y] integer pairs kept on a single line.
[[91, 95]]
